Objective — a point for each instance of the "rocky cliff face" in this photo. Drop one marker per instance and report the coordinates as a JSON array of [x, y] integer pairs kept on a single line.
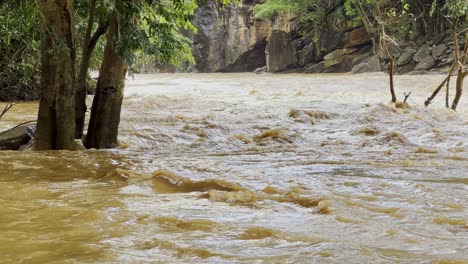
[[235, 41]]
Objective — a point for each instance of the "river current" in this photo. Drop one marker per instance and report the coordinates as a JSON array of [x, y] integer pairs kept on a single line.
[[245, 168]]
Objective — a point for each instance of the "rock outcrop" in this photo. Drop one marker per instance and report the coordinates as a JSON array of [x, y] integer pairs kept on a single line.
[[280, 52], [236, 41], [233, 41], [14, 138]]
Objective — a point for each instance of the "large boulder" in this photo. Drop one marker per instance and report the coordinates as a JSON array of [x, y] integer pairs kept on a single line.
[[315, 68], [423, 52], [14, 138], [425, 64], [371, 65], [338, 53], [439, 50], [363, 56], [280, 53], [357, 37], [260, 70], [406, 57]]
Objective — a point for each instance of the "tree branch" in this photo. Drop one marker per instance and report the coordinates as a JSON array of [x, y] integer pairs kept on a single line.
[[7, 108]]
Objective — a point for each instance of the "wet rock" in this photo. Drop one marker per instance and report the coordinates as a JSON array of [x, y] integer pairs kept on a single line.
[[332, 62], [357, 37], [280, 53], [306, 55], [403, 69], [336, 54], [371, 65], [361, 58], [438, 39], [446, 61], [420, 41], [14, 138], [406, 57], [346, 65], [423, 52], [328, 41], [421, 72], [260, 70], [339, 60], [425, 64], [439, 50], [315, 68]]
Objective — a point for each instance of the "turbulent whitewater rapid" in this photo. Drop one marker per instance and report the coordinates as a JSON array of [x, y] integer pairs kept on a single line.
[[245, 168]]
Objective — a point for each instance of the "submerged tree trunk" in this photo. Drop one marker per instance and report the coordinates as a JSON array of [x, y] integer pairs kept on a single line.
[[391, 73], [462, 73], [56, 117], [105, 114], [89, 43], [459, 88]]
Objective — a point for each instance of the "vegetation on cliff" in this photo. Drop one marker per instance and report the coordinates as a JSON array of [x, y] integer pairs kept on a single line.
[[389, 25]]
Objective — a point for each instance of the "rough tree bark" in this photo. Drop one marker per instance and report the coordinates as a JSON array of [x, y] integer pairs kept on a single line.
[[56, 117], [89, 43], [105, 114]]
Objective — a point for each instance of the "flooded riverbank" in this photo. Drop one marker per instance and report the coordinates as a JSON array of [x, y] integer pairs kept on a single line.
[[244, 168]]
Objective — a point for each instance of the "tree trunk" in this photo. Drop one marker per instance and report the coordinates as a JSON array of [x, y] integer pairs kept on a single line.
[[89, 43], [459, 88], [56, 117], [105, 114], [391, 74], [80, 99], [461, 72]]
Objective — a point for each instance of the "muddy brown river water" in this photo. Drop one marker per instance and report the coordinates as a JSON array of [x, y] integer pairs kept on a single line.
[[244, 168]]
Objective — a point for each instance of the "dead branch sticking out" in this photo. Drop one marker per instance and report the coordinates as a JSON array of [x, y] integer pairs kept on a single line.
[[406, 97], [437, 90], [383, 42], [7, 108]]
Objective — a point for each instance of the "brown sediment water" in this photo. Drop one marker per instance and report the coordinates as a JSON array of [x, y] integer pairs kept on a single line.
[[245, 168]]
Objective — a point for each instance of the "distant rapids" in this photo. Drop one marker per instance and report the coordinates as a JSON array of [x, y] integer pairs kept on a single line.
[[246, 168]]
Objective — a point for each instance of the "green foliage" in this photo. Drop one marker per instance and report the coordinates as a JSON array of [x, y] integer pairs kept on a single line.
[[273, 8], [103, 12], [306, 10], [388, 17], [453, 9], [19, 47], [155, 28]]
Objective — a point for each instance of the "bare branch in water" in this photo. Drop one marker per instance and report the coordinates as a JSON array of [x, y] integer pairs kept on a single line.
[[7, 108], [406, 97], [437, 90], [23, 123]]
